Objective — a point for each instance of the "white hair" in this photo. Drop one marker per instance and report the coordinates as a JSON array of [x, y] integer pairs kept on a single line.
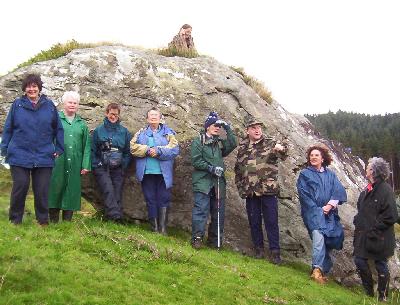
[[380, 168], [71, 95]]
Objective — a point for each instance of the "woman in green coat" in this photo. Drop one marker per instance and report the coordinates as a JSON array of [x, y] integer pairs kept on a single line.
[[65, 186]]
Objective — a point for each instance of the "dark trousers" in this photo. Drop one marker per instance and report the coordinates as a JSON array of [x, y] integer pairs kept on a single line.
[[111, 182], [203, 205], [40, 186], [155, 193], [380, 265], [259, 207]]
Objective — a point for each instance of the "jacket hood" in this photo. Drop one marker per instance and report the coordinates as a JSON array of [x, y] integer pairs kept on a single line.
[[109, 125], [28, 104], [162, 129], [312, 168]]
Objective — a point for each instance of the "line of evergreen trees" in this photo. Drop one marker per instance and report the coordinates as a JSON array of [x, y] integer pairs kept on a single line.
[[365, 135]]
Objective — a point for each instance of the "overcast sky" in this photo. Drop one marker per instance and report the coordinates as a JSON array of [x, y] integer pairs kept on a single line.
[[314, 55]]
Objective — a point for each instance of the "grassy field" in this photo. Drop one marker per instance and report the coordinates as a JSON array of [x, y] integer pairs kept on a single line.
[[92, 262]]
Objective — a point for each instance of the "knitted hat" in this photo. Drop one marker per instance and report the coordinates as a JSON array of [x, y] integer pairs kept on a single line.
[[211, 119]]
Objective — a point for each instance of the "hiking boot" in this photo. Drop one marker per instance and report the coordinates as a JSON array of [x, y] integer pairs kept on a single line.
[[276, 257], [197, 243], [318, 276], [383, 287], [259, 252]]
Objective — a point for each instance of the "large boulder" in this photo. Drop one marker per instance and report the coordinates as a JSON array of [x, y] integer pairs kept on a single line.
[[186, 90]]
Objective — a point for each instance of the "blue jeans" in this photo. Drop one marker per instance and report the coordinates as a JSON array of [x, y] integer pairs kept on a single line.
[[204, 204], [320, 253]]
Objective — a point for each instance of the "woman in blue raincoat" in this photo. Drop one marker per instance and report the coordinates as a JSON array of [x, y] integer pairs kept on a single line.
[[320, 193]]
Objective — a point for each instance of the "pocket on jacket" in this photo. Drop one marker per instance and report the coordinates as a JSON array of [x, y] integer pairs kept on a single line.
[[374, 242]]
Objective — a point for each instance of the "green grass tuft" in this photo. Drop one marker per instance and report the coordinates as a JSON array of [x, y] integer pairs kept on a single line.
[[256, 84], [173, 51], [61, 49]]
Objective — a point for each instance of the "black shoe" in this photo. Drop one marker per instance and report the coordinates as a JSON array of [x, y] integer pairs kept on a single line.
[[197, 242], [54, 215], [259, 252], [119, 221], [276, 257], [154, 224], [213, 245], [162, 220], [67, 215]]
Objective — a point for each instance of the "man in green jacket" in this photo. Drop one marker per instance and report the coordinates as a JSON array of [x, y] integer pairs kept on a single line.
[[209, 184], [65, 185]]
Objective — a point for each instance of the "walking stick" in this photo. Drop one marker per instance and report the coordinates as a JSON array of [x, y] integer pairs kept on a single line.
[[218, 235]]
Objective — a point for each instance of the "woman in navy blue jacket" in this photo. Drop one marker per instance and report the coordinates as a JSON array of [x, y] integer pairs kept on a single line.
[[33, 137], [320, 194]]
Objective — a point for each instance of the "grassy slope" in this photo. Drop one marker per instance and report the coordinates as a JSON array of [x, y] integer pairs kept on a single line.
[[91, 262]]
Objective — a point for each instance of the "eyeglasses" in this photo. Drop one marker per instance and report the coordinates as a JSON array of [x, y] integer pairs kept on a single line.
[[116, 115]]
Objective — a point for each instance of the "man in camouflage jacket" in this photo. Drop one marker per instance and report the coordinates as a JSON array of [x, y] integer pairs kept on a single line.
[[256, 177]]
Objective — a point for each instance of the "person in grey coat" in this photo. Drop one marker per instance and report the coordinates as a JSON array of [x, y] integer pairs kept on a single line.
[[374, 237]]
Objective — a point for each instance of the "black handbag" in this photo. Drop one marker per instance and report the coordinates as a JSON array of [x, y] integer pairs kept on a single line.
[[111, 158]]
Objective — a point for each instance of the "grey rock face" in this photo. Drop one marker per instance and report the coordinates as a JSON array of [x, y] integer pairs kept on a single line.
[[186, 90]]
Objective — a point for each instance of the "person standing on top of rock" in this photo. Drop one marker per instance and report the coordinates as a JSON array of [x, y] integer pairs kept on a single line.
[[256, 177], [209, 184], [33, 137], [65, 185], [374, 236], [110, 159], [320, 193], [155, 148], [183, 41]]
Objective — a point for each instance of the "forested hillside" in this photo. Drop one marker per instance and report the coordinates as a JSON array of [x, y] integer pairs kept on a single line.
[[366, 135]]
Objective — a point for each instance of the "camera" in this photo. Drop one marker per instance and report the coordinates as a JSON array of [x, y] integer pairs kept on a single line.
[[105, 146]]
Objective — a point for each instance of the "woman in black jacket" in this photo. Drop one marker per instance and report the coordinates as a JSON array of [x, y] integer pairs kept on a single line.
[[374, 233]]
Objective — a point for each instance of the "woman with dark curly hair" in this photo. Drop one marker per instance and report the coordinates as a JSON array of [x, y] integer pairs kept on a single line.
[[374, 233], [33, 137], [320, 193]]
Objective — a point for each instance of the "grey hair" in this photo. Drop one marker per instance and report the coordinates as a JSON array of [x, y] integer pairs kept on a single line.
[[380, 168], [71, 95], [154, 109]]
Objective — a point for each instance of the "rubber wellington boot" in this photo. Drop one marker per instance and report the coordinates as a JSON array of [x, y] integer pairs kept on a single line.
[[154, 224], [162, 220]]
